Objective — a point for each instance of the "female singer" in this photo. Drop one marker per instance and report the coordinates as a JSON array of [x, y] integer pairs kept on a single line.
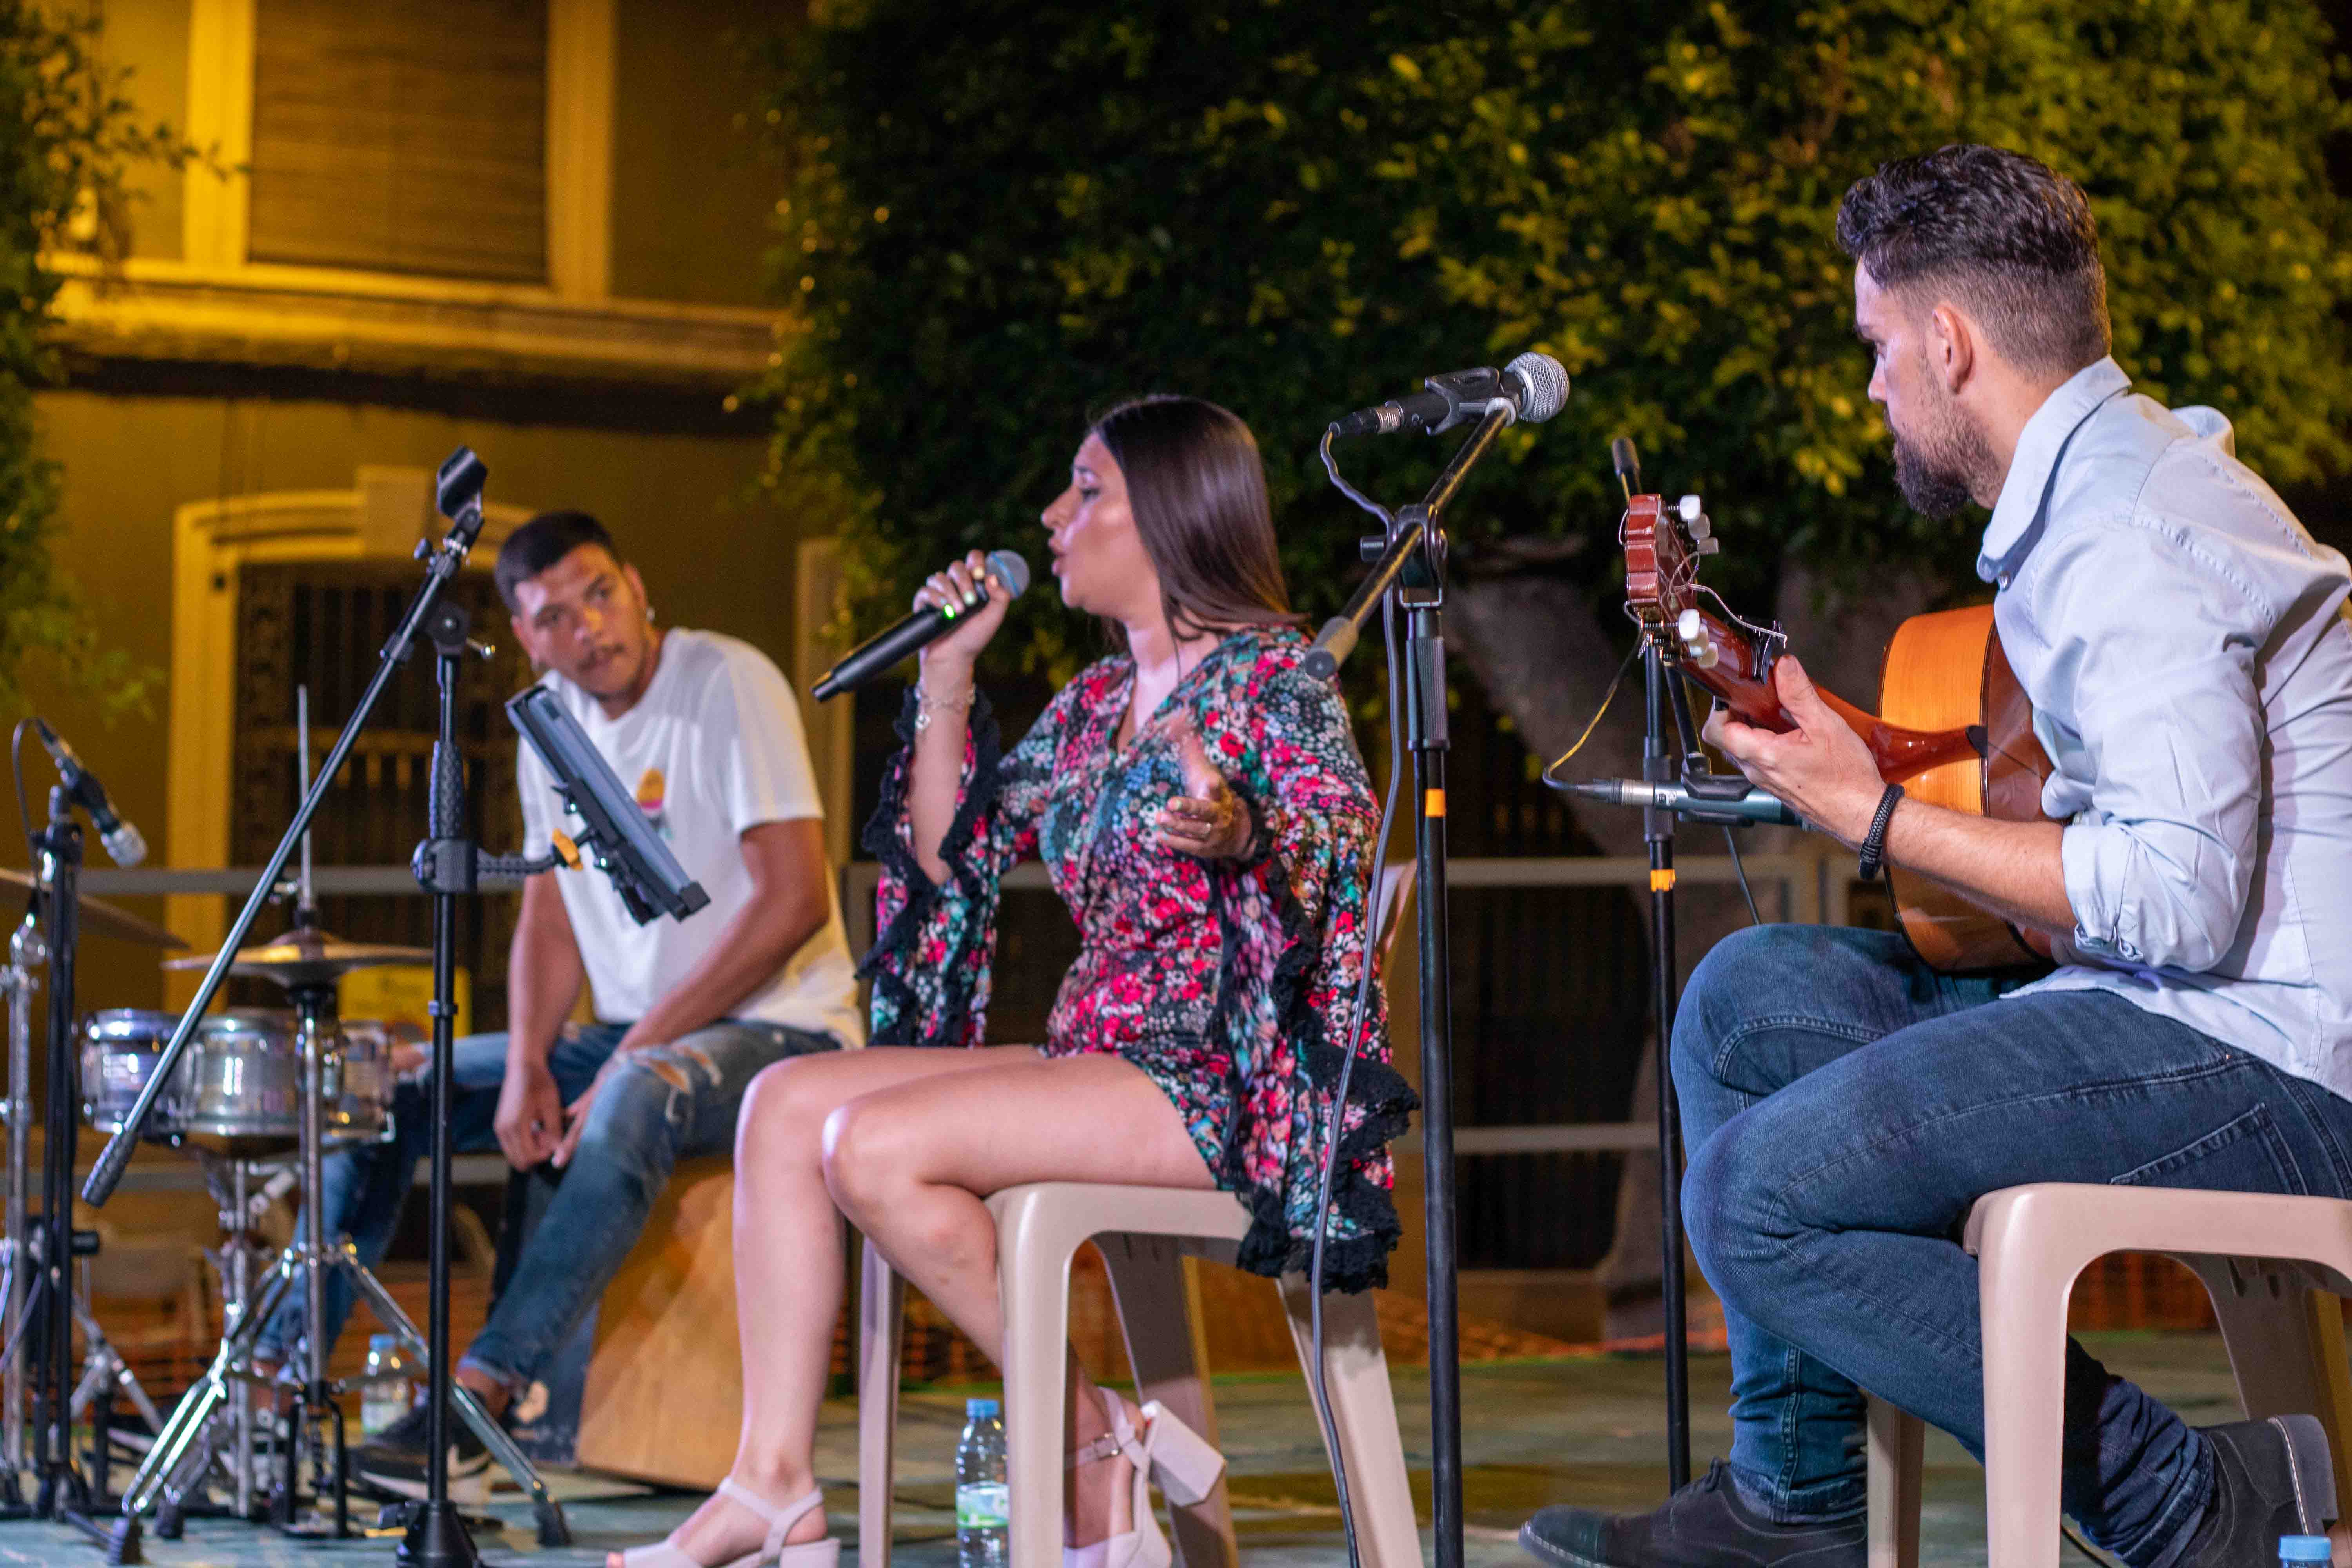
[[1202, 808]]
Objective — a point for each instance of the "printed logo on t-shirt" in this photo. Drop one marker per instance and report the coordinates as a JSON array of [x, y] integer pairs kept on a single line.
[[652, 790]]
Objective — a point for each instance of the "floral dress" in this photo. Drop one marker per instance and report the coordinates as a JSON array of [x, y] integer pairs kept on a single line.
[[1230, 982]]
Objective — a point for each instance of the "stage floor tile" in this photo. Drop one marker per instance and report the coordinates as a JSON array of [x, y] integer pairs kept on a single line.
[[1589, 1431]]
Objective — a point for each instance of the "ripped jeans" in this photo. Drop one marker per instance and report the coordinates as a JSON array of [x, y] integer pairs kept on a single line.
[[675, 1101]]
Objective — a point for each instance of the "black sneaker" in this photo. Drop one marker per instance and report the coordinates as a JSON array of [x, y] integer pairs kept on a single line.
[[1707, 1524], [394, 1459], [2270, 1478]]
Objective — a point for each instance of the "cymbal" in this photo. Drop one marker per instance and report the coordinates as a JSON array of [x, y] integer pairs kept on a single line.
[[99, 918], [308, 957]]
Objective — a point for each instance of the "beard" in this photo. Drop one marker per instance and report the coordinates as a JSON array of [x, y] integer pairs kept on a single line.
[[1939, 470]]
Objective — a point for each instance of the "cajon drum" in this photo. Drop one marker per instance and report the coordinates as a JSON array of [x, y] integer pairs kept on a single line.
[[664, 1387]]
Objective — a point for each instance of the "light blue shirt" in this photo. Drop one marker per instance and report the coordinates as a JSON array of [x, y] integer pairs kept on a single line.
[[2186, 648]]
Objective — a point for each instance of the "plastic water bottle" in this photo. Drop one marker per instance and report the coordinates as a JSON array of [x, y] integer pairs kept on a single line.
[[2299, 1551], [984, 1506], [387, 1396]]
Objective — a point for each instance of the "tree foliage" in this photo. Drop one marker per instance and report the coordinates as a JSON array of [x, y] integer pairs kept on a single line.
[[1001, 218], [67, 136]]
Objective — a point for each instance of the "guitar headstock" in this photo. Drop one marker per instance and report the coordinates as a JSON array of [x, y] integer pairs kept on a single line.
[[1662, 548], [1727, 655]]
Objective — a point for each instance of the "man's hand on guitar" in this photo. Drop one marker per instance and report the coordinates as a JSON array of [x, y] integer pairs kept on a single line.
[[1821, 769]]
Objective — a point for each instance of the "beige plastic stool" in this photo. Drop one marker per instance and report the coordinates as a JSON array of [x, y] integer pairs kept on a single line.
[[2275, 1268], [1144, 1234]]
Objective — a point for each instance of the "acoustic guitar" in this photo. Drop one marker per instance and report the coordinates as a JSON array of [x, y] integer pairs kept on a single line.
[[1955, 730]]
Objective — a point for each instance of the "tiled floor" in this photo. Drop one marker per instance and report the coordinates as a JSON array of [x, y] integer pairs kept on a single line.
[[1586, 1431]]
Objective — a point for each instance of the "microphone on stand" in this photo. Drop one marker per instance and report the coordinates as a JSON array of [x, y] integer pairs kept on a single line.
[[124, 842], [1748, 803], [1533, 386], [915, 633]]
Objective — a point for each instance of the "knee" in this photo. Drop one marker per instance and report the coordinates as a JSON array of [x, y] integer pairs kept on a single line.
[[784, 1111], [867, 1153], [633, 1111]]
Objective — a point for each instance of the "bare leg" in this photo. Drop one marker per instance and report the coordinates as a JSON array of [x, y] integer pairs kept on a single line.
[[788, 1273], [908, 1163]]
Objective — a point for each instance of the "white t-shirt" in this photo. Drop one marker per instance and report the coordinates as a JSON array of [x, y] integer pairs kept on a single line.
[[712, 749]]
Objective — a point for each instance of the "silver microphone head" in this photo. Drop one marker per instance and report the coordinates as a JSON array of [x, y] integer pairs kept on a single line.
[[124, 846], [1545, 383], [1012, 569]]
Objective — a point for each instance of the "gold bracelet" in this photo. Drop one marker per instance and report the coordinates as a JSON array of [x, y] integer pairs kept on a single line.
[[925, 703]]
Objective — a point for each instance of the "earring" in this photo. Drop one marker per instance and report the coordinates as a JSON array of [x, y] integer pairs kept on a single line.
[[649, 613]]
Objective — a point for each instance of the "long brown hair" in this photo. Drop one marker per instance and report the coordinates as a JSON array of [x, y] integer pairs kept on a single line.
[[1197, 488]]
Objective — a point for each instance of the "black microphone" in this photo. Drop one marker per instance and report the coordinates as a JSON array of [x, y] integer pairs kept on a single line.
[[1750, 806], [1533, 386], [122, 841], [917, 631], [1628, 464]]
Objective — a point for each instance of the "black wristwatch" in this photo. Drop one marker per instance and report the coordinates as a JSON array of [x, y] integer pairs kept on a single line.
[[1873, 844]]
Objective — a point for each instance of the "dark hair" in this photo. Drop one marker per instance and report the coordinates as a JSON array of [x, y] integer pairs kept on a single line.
[[2009, 238], [1197, 488], [540, 544]]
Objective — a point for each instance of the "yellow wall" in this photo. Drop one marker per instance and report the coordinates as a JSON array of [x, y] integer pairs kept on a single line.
[[691, 195], [690, 200], [671, 501]]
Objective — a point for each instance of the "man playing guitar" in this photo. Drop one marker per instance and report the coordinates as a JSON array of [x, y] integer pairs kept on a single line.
[[2185, 647]]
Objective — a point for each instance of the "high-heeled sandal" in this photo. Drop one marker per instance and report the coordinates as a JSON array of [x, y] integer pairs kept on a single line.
[[1167, 1451], [824, 1553]]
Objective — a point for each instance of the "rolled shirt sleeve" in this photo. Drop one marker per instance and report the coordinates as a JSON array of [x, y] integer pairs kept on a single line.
[[2162, 776]]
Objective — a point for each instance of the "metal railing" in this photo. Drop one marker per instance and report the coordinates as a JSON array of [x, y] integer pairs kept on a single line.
[[1809, 885]]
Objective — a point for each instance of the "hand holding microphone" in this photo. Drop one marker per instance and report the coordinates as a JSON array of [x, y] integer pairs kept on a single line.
[[975, 595], [956, 611]]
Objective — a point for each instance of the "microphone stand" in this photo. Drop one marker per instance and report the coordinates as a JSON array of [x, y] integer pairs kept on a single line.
[[60, 1491], [1410, 563], [1663, 689], [447, 865]]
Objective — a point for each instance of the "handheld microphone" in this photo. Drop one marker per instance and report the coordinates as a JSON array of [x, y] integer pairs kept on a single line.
[[123, 842], [1750, 806], [917, 631], [1533, 386]]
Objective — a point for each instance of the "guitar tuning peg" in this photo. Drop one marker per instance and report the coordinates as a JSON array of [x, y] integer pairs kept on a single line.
[[1702, 531], [1690, 630], [1690, 509], [1709, 545]]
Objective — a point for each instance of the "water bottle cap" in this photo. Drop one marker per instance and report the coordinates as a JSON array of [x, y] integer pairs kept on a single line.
[[2303, 1549], [975, 1408], [383, 1341]]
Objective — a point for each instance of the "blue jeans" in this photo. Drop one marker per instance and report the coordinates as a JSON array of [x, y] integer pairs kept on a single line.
[[1846, 1106], [667, 1103]]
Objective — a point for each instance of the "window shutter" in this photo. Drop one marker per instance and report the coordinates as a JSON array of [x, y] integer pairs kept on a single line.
[[408, 138]]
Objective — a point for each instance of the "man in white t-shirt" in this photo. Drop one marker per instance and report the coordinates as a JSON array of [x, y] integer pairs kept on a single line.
[[704, 730]]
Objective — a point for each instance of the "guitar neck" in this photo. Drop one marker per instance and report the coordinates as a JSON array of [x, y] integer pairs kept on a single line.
[[1743, 684]]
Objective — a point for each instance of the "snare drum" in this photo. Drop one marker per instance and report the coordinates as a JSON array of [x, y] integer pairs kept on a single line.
[[241, 1083], [120, 1048]]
